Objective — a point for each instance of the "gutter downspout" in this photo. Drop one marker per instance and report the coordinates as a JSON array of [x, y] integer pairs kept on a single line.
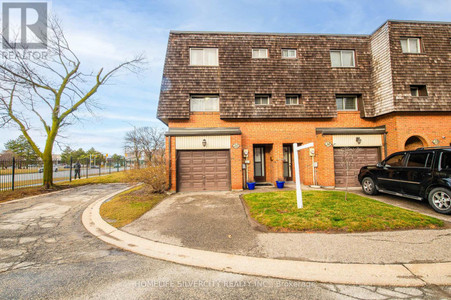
[[385, 145]]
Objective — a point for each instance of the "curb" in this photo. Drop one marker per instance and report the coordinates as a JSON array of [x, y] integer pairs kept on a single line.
[[340, 273]]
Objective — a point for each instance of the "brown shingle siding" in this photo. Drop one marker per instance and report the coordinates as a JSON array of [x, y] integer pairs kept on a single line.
[[431, 67], [382, 75]]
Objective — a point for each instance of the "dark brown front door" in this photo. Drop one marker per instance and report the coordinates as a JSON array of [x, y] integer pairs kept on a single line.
[[259, 163], [287, 163], [203, 170], [361, 157]]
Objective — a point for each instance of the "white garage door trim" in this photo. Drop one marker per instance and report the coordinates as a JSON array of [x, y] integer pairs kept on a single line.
[[366, 140], [197, 142]]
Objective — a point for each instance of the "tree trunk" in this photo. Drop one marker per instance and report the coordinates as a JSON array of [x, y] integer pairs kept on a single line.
[[47, 159], [48, 170]]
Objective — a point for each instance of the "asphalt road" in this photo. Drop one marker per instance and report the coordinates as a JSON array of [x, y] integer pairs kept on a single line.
[[45, 252]]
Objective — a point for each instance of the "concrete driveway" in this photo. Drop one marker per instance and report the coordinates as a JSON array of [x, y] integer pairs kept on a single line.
[[422, 207], [217, 221], [46, 253]]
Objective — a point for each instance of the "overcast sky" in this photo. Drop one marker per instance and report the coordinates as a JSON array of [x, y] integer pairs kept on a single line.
[[106, 32]]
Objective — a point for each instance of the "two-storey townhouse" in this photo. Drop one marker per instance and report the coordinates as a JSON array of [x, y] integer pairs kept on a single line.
[[236, 102]]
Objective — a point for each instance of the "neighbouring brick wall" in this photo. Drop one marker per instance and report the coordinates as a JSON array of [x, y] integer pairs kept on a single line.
[[236, 162], [276, 133]]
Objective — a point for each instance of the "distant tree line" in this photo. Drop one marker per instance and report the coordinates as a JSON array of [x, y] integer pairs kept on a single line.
[[83, 156], [21, 149]]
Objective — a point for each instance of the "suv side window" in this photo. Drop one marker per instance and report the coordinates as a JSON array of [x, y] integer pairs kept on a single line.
[[445, 161], [419, 160], [395, 161]]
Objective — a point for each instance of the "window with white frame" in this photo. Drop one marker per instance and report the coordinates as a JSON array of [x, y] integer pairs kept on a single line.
[[203, 57], [260, 53], [262, 99], [418, 90], [288, 53], [204, 103], [346, 102], [292, 99], [342, 58], [410, 45]]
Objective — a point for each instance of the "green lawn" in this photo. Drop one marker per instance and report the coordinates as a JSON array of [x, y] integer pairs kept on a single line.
[[328, 211], [129, 205]]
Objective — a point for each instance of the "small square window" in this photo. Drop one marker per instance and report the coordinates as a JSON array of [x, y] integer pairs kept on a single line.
[[288, 53], [262, 99], [410, 45], [260, 53], [292, 99], [418, 90], [346, 102], [342, 58]]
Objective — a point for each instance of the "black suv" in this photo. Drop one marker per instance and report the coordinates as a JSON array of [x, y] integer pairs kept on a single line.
[[424, 173]]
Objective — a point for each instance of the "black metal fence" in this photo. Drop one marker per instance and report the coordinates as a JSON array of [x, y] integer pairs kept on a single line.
[[16, 173]]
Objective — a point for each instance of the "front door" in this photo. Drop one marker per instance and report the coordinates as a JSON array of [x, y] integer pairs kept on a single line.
[[259, 163], [287, 163]]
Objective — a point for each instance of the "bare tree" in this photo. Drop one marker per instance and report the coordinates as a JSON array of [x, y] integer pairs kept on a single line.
[[348, 158], [48, 90], [151, 141], [133, 145]]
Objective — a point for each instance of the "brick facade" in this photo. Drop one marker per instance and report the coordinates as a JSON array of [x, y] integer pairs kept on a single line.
[[382, 79]]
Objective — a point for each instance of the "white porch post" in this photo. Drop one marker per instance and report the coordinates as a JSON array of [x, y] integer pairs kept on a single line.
[[296, 149]]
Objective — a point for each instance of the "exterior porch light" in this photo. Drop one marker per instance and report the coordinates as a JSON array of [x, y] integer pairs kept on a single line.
[[204, 142]]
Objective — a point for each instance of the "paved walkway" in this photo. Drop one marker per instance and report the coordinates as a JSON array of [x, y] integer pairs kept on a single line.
[[388, 274], [46, 252]]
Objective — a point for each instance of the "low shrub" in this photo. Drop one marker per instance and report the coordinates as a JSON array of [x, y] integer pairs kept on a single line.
[[154, 176]]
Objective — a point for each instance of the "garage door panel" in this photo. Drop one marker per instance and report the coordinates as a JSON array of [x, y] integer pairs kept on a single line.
[[361, 157], [222, 161], [222, 168], [200, 170], [210, 169]]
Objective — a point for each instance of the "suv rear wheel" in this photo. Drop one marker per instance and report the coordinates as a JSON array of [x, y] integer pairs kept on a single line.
[[440, 200], [368, 186]]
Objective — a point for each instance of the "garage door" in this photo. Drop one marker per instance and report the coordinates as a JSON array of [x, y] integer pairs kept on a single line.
[[203, 170], [361, 157]]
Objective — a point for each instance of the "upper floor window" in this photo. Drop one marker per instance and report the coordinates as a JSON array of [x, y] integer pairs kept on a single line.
[[204, 103], [346, 102], [292, 99], [203, 57], [262, 99], [342, 58], [259, 53], [418, 90], [410, 45], [288, 53]]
